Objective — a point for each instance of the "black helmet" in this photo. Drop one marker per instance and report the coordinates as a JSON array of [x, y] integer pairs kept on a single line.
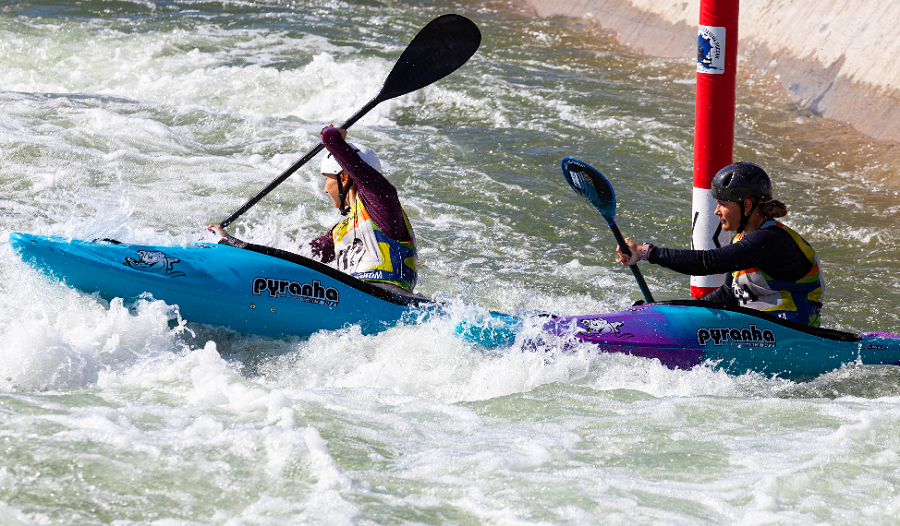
[[739, 181]]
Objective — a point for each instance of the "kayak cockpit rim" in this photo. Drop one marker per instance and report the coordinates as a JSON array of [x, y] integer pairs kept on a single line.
[[821, 332], [395, 295]]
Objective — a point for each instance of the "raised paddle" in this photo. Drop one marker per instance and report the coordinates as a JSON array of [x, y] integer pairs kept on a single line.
[[596, 190], [439, 49]]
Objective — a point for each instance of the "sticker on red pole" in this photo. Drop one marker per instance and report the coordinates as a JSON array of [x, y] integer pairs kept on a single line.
[[711, 50]]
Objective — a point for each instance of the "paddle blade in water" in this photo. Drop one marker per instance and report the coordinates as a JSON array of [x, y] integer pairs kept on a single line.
[[439, 49], [591, 186]]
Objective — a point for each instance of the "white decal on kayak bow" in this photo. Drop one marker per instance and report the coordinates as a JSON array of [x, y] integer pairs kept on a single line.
[[309, 292], [156, 262], [750, 336], [601, 326]]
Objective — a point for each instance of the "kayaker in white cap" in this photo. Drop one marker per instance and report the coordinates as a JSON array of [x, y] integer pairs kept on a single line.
[[375, 242]]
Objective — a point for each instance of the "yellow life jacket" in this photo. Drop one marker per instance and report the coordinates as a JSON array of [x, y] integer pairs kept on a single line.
[[365, 252], [799, 300]]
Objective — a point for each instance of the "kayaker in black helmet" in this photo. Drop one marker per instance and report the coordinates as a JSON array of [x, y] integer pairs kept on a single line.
[[770, 267]]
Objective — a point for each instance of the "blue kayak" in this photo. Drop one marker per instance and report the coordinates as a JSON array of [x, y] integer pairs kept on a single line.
[[258, 290]]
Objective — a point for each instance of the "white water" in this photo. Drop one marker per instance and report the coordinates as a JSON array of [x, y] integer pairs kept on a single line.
[[146, 121]]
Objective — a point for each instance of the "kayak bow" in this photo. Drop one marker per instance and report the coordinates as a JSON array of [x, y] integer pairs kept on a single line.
[[258, 290]]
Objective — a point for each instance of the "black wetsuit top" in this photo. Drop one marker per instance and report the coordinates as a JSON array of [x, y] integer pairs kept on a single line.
[[771, 250]]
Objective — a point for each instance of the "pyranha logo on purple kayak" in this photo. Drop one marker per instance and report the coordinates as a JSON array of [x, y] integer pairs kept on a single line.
[[601, 326], [309, 292], [750, 336]]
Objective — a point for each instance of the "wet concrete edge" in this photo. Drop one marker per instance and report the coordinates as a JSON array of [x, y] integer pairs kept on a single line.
[[872, 110]]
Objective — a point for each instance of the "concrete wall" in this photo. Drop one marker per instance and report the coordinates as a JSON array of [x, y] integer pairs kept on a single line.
[[839, 58]]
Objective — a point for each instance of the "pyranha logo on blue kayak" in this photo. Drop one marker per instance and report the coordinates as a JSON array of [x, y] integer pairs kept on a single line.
[[751, 336], [309, 292], [156, 262]]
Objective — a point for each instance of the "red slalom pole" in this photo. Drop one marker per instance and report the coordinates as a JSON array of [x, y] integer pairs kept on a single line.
[[717, 43]]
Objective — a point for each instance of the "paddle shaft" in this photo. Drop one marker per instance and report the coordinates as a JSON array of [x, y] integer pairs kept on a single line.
[[440, 48], [634, 268], [296, 166]]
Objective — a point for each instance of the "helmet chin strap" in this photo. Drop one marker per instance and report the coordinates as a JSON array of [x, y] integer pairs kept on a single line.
[[342, 195], [745, 218]]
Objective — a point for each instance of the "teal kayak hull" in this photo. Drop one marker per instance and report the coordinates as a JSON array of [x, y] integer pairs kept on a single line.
[[258, 290]]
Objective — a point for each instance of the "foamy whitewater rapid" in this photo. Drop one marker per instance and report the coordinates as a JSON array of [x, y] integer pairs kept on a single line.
[[145, 121]]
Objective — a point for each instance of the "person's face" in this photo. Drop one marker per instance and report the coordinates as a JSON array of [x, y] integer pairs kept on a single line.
[[331, 188], [729, 215]]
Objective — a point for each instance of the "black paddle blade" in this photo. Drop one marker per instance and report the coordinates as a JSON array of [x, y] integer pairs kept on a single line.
[[592, 187], [439, 49]]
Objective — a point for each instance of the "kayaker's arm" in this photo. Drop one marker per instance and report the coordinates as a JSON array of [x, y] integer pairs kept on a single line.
[[723, 294], [769, 249], [226, 238], [233, 242], [377, 193], [323, 248]]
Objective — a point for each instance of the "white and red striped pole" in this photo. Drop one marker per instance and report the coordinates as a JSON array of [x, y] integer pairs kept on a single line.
[[713, 125]]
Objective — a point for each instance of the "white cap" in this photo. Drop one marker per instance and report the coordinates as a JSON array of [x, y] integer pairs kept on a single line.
[[331, 167]]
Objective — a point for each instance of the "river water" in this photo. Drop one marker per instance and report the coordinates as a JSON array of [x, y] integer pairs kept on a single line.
[[145, 120]]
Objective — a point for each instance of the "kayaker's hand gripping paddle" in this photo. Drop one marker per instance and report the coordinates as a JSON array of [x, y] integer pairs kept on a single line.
[[596, 190], [439, 49]]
